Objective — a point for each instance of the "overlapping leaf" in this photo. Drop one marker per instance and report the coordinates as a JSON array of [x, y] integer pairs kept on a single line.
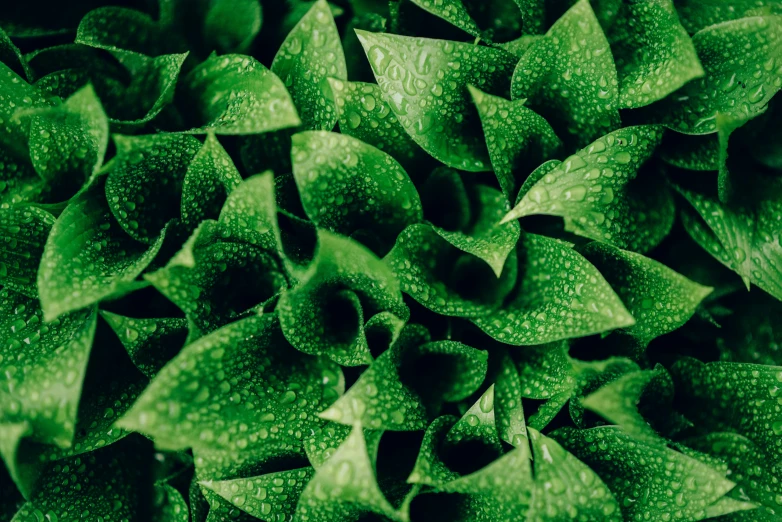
[[424, 82], [603, 193]]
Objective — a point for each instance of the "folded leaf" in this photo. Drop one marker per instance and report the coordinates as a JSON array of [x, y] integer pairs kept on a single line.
[[654, 54], [534, 313], [101, 483], [441, 277], [659, 299], [565, 488], [88, 257], [603, 193], [516, 136], [123, 29], [390, 395], [345, 486], [43, 367], [240, 389], [733, 86], [741, 236], [201, 279], [68, 142], [311, 53], [150, 343], [267, 496], [363, 114], [209, 180], [236, 94], [325, 314], [569, 77], [424, 82], [749, 467], [647, 478], [723, 396], [352, 188], [148, 172]]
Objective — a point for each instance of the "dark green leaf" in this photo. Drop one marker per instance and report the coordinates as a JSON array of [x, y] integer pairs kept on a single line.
[[230, 26], [23, 233]]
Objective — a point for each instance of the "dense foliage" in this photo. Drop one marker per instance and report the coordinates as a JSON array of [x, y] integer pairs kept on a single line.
[[406, 260]]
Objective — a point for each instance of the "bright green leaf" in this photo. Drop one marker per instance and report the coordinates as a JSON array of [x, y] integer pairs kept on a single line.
[[425, 84], [311, 53]]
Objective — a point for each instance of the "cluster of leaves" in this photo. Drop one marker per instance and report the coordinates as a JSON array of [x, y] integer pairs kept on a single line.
[[406, 260]]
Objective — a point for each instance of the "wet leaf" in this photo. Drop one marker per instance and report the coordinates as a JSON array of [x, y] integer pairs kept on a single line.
[[569, 77], [311, 53], [236, 94], [603, 192], [23, 231], [425, 84], [534, 314]]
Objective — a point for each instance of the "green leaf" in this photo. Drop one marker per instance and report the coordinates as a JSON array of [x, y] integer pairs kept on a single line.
[[209, 180], [722, 396], [604, 194], [516, 137], [363, 114], [236, 94], [647, 478], [743, 236], [250, 213], [102, 483], [654, 54], [559, 295], [12, 57], [312, 52], [19, 183], [23, 231], [338, 193], [147, 174], [751, 333], [69, 141], [325, 314], [268, 496], [230, 26], [733, 86], [150, 343], [452, 11], [750, 468], [659, 299], [390, 395], [484, 237], [88, 257], [508, 408], [345, 486], [618, 402], [169, 506], [121, 29], [43, 367], [20, 95], [565, 488], [424, 82], [240, 389], [441, 277], [698, 14], [569, 77], [201, 279]]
